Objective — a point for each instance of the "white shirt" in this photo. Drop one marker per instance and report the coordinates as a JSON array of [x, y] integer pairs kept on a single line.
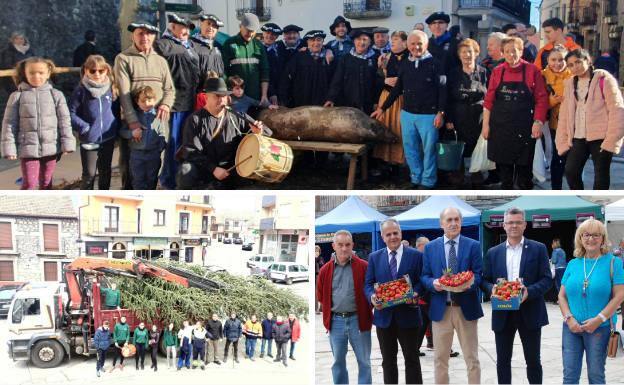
[[580, 126], [514, 255], [399, 255], [447, 248]]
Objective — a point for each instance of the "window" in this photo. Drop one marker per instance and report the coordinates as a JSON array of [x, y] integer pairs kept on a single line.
[[6, 236], [111, 219], [6, 271], [138, 221], [50, 237], [188, 255], [281, 267], [184, 223], [288, 245], [119, 251], [303, 268], [206, 199], [235, 224], [174, 251], [293, 268], [50, 271], [185, 198], [205, 224], [25, 307], [159, 217]]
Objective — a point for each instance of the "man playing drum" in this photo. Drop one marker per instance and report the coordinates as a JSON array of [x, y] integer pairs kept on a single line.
[[209, 142]]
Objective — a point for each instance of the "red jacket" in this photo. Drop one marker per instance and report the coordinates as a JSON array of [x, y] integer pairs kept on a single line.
[[295, 331], [324, 293], [534, 80]]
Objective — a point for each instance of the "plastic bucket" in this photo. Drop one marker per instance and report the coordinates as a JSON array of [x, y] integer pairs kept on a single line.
[[450, 154]]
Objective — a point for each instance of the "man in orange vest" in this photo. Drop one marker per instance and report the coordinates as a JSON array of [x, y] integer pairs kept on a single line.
[[553, 31]]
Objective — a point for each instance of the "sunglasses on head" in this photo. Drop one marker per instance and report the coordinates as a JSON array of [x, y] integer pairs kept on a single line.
[[93, 71]]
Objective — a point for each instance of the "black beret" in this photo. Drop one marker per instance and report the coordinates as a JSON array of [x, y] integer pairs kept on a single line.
[[271, 27], [292, 28], [438, 16], [359, 32], [217, 21], [314, 34], [381, 30], [144, 25], [173, 18]]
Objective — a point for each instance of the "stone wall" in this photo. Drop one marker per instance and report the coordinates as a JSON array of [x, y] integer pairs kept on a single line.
[[28, 240]]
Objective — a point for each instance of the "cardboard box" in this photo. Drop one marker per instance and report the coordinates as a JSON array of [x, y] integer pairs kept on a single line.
[[398, 301], [512, 304]]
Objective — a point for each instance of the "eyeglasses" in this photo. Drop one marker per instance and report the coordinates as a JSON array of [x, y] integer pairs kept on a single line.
[[514, 223], [588, 235], [93, 71]]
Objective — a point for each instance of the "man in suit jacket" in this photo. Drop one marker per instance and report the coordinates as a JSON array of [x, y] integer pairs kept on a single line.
[[400, 322], [458, 311], [347, 315], [519, 257]]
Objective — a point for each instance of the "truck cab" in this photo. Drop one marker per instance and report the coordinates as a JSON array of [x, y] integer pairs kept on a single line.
[[35, 326]]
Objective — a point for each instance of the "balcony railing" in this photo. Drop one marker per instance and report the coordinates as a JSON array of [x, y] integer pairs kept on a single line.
[[584, 15], [259, 8], [98, 226], [518, 8], [367, 9]]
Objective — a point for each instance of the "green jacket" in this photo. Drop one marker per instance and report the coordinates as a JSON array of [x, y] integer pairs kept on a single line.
[[171, 338], [121, 333], [112, 298], [140, 336], [247, 60]]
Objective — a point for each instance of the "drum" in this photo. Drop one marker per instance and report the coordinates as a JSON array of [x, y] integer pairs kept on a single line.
[[264, 159], [128, 351]]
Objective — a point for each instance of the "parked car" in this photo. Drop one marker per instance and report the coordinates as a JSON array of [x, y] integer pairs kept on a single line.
[[227, 241], [238, 241], [7, 292], [214, 269], [288, 272], [247, 246], [259, 263]]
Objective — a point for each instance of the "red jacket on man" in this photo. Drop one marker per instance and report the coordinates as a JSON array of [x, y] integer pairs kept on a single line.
[[324, 292]]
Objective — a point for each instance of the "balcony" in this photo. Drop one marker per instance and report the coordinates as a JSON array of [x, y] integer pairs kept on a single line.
[[267, 223], [584, 15], [268, 201], [520, 9], [95, 227], [367, 9], [259, 8], [197, 230]]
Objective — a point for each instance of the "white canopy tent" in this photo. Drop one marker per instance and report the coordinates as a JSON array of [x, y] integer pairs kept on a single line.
[[614, 217]]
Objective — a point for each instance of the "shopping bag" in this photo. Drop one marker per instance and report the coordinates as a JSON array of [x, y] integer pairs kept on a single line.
[[479, 160], [539, 162]]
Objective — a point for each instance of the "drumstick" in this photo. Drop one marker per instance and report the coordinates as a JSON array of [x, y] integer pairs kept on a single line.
[[239, 163]]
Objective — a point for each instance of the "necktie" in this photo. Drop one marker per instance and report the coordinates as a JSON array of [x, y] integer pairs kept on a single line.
[[393, 264], [452, 257]]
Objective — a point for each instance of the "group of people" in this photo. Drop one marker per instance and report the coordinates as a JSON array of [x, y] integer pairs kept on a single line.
[[178, 123], [196, 346], [591, 291]]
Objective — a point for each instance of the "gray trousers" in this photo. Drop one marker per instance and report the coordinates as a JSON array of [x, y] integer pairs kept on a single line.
[[212, 355]]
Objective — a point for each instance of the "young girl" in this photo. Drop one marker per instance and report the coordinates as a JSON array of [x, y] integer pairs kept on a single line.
[[36, 125], [154, 340], [94, 110], [591, 121], [554, 75]]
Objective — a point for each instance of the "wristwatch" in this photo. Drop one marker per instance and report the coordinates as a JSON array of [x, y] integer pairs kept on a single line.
[[602, 317], [567, 317]]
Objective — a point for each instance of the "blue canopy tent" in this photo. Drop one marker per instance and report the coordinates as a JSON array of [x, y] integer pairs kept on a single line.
[[353, 215], [425, 218]]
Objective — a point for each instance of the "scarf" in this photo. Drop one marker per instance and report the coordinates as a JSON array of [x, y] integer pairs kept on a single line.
[[207, 42], [294, 47], [272, 47], [340, 42], [22, 48], [417, 60], [442, 39], [367, 55], [97, 90], [319, 54], [280, 322], [386, 48]]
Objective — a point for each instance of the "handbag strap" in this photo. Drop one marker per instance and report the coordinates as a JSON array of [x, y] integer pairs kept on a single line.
[[611, 295]]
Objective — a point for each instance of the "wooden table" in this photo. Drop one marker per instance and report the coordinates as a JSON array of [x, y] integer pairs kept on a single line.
[[356, 151]]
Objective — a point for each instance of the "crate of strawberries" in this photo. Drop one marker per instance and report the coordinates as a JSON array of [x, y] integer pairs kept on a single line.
[[394, 293], [456, 283], [507, 295]]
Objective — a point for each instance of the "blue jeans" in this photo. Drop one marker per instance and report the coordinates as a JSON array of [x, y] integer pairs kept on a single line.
[[344, 331], [170, 168], [594, 346], [292, 348], [558, 277], [419, 145], [250, 346], [269, 342]]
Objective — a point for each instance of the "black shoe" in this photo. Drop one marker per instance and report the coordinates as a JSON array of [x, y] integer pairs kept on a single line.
[[224, 360], [180, 368], [217, 362], [454, 354], [270, 355], [491, 179], [137, 367], [276, 360], [421, 354], [261, 355], [292, 358]]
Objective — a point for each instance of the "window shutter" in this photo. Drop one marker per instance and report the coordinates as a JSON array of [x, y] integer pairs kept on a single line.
[[50, 237], [50, 271], [6, 271], [6, 236]]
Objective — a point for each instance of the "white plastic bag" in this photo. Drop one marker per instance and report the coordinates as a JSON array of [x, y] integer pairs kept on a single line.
[[479, 160], [539, 162]]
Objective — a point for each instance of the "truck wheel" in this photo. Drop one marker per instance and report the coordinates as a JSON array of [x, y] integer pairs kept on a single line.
[[47, 354], [289, 281]]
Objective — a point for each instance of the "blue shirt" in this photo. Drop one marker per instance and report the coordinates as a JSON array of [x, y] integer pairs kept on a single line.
[[559, 258], [599, 289]]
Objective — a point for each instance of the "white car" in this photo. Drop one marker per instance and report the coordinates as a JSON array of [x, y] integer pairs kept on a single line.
[[259, 263], [288, 272]]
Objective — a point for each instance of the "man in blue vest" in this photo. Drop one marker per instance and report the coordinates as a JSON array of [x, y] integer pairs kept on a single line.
[[519, 257], [398, 323], [456, 312]]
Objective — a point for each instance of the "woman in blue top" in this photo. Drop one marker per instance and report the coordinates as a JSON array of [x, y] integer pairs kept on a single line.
[[558, 259], [589, 296]]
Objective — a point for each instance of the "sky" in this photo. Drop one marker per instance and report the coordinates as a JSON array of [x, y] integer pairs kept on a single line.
[[535, 16]]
